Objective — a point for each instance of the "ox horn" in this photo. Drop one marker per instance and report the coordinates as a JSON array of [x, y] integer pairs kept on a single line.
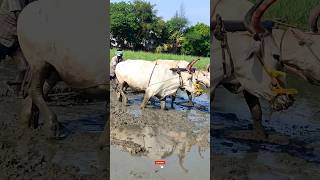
[[253, 16], [189, 67], [313, 19]]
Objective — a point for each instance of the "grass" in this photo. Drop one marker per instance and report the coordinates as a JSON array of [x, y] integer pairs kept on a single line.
[[202, 64], [294, 12]]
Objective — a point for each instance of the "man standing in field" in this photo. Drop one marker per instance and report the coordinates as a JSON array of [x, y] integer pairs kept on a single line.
[[9, 12], [114, 61]]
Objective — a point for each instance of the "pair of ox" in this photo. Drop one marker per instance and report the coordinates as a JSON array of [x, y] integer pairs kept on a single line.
[[251, 59], [161, 78]]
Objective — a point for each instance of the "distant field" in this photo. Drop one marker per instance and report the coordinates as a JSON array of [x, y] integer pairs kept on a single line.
[[295, 12], [202, 64]]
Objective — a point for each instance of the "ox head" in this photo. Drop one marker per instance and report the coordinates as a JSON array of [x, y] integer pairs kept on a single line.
[[299, 53], [188, 80], [299, 50], [264, 63], [202, 77]]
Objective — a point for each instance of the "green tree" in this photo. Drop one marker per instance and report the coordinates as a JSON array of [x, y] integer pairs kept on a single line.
[[196, 40], [123, 22], [176, 27], [137, 24]]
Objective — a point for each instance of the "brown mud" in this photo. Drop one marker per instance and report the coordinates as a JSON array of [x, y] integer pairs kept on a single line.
[[27, 154]]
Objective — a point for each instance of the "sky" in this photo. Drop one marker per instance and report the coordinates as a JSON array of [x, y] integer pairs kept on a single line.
[[195, 10]]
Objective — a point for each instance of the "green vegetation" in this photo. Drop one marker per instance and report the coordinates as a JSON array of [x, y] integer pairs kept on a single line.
[[293, 12], [135, 26], [202, 64]]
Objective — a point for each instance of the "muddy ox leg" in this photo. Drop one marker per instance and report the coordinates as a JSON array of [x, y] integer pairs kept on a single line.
[[146, 99], [163, 103], [173, 98], [29, 114], [256, 112], [51, 125], [121, 94], [50, 83], [190, 98]]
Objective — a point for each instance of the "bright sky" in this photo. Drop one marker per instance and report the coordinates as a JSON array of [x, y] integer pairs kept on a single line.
[[195, 10]]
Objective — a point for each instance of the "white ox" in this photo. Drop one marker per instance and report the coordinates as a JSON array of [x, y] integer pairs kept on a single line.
[[64, 40], [160, 80], [199, 75], [293, 51]]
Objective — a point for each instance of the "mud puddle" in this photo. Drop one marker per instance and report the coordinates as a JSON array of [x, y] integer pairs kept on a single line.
[[300, 159], [139, 137]]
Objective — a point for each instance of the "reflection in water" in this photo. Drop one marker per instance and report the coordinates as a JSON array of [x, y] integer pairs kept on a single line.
[[159, 142]]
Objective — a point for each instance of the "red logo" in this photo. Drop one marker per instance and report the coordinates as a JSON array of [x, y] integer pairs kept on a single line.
[[160, 163]]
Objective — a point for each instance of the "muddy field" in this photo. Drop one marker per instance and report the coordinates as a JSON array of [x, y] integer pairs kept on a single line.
[[27, 154], [180, 136], [243, 159]]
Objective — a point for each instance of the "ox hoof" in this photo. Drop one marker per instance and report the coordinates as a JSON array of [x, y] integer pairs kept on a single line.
[[190, 104]]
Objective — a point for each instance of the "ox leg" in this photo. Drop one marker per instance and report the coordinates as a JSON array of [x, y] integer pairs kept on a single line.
[[29, 114], [51, 124], [190, 98], [122, 86], [173, 98], [163, 103], [146, 99], [118, 93], [50, 83], [256, 112]]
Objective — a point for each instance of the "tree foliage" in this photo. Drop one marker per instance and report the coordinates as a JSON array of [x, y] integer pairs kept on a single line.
[[197, 40], [136, 26]]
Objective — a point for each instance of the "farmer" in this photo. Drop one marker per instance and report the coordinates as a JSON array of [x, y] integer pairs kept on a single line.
[[9, 12], [114, 61]]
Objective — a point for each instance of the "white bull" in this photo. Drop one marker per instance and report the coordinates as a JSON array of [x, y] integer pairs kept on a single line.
[[291, 50], [64, 39], [158, 80], [253, 64], [199, 75]]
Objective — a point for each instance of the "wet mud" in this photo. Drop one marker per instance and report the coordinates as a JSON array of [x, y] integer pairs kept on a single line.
[[139, 137], [236, 158], [27, 154]]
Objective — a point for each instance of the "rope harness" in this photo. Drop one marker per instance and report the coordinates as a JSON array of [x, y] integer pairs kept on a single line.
[[221, 35]]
